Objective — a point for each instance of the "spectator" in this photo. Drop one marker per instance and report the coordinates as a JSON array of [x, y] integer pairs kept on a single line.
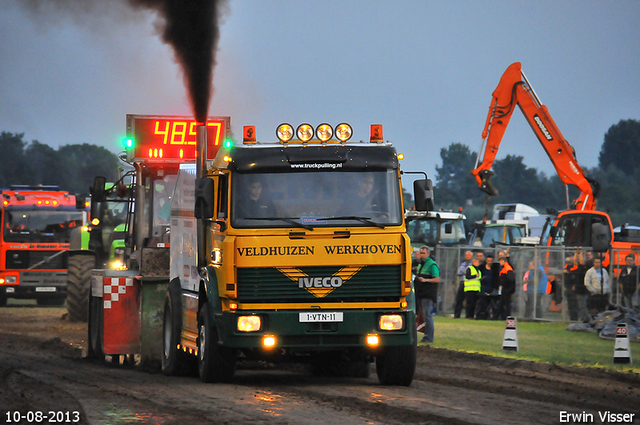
[[534, 293], [628, 280], [588, 262], [472, 287], [457, 310], [507, 283], [573, 274], [505, 255], [581, 291], [597, 282], [481, 260], [426, 284], [489, 276]]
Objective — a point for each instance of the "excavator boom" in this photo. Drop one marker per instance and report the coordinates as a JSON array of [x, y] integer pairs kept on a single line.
[[514, 89]]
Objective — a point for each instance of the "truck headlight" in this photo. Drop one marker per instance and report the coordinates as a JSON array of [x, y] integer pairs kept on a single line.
[[391, 322], [249, 323]]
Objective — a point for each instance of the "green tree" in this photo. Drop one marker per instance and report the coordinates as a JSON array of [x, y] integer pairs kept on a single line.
[[13, 166], [455, 185], [621, 146], [83, 162], [43, 165]]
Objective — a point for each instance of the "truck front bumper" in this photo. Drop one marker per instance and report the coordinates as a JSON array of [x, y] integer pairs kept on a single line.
[[290, 332]]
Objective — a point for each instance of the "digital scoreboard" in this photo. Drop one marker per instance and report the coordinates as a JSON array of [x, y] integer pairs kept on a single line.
[[153, 138]]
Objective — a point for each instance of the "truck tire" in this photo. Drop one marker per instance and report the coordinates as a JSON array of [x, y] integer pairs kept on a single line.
[[174, 361], [215, 363], [396, 365], [78, 286]]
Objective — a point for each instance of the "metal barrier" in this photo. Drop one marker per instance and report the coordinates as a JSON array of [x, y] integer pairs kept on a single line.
[[545, 297]]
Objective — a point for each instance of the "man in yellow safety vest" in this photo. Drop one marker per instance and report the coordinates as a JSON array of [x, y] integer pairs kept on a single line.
[[472, 287]]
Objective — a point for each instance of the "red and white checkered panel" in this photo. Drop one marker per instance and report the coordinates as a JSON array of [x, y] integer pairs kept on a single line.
[[115, 288], [121, 315]]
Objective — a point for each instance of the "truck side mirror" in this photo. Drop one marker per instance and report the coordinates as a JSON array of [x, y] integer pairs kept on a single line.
[[97, 190], [204, 208], [600, 237], [423, 194]]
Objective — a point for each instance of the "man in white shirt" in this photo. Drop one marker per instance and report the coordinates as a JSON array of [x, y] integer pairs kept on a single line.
[[597, 282]]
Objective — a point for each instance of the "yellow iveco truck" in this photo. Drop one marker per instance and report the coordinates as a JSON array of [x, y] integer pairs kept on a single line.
[[294, 250]]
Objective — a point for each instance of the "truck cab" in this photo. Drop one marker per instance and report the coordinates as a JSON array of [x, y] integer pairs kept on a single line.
[[433, 228], [306, 259]]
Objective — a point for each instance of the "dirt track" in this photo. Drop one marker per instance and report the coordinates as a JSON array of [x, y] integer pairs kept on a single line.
[[42, 369]]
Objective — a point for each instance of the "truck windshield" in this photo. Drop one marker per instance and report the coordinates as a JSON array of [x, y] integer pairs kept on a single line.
[[575, 229], [40, 225], [423, 231], [315, 199], [501, 234]]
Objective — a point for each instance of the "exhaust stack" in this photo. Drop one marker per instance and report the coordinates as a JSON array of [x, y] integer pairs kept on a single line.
[[201, 150]]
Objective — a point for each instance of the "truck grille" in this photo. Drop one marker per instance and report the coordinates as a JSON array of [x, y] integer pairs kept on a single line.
[[269, 285], [25, 259]]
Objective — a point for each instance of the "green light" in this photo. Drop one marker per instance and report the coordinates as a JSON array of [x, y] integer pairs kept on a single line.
[[228, 144], [128, 143]]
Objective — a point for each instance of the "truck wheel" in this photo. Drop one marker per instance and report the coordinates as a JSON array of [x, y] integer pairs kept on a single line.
[[174, 361], [95, 328], [78, 286], [396, 365], [215, 363]]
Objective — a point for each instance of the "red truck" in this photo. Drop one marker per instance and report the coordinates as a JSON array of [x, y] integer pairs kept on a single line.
[[36, 229]]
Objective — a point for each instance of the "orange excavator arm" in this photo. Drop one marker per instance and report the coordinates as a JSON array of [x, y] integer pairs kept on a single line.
[[514, 89]]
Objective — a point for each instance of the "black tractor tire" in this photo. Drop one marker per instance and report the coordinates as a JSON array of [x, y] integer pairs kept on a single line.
[[174, 360], [215, 362], [396, 365], [79, 286]]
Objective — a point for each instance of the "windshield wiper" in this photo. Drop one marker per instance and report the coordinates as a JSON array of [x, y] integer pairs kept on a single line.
[[366, 220], [290, 220]]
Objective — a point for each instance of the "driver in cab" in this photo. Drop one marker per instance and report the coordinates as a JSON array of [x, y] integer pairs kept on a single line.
[[365, 200], [256, 204]]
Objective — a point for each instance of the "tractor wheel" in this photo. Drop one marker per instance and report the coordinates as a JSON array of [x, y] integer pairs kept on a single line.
[[79, 286]]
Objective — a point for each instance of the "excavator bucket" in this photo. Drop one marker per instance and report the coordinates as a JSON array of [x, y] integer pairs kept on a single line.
[[485, 185]]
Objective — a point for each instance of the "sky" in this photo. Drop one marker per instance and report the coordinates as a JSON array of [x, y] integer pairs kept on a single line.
[[425, 70]]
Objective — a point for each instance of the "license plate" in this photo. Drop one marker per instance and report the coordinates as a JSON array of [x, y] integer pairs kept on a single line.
[[320, 317], [45, 289]]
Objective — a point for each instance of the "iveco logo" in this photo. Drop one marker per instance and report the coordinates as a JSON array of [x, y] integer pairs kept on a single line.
[[320, 282], [319, 287], [544, 130]]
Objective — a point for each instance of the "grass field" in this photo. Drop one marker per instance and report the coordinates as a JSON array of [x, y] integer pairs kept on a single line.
[[547, 342]]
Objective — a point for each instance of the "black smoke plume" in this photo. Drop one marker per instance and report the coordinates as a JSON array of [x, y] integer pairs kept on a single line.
[[191, 27]]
